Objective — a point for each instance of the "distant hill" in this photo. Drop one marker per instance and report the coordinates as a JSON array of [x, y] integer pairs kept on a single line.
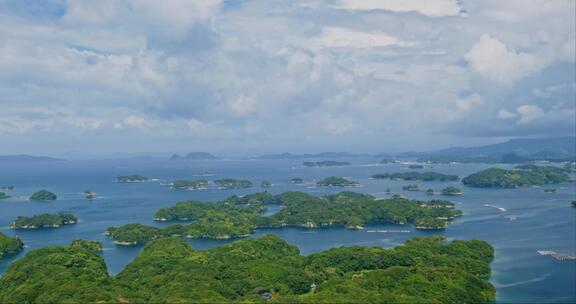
[[194, 156], [317, 155], [27, 158], [511, 151]]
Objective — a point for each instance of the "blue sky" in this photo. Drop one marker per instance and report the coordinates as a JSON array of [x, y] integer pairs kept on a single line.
[[243, 76]]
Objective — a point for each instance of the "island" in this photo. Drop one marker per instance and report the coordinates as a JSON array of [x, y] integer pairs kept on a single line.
[[549, 190], [296, 180], [451, 191], [131, 179], [430, 191], [89, 194], [189, 184], [411, 176], [43, 221], [230, 183], [334, 181], [87, 245], [412, 187], [325, 163], [416, 167], [9, 245], [265, 184], [194, 156], [519, 176], [573, 204], [3, 195], [43, 195], [168, 270], [240, 216]]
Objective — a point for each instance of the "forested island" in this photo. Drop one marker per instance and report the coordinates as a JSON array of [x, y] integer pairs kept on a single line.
[[9, 245], [416, 167], [325, 163], [230, 183], [44, 221], [412, 187], [451, 191], [265, 184], [89, 194], [334, 181], [296, 180], [189, 184], [519, 176], [410, 176], [43, 195], [131, 179], [169, 270], [3, 195], [240, 216]]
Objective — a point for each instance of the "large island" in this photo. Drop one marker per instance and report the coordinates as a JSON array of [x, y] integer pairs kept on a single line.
[[240, 216], [169, 270], [413, 176], [519, 176], [334, 181], [44, 221]]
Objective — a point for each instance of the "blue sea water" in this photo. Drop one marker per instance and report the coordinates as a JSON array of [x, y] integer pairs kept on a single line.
[[520, 275]]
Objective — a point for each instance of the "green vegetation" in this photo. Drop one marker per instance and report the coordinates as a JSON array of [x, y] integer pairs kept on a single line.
[[296, 180], [451, 191], [44, 221], [4, 195], [412, 187], [519, 176], [88, 245], [388, 191], [43, 195], [168, 270], [240, 216], [266, 184], [131, 179], [411, 176], [430, 191], [334, 181], [325, 163], [230, 183], [189, 184], [549, 190], [9, 245], [416, 167], [573, 204], [133, 234]]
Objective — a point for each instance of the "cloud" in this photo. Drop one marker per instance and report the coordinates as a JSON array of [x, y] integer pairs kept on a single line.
[[336, 37], [432, 8], [494, 60]]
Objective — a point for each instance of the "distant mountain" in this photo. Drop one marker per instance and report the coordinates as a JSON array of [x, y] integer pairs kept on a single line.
[[194, 156], [317, 155], [512, 151], [27, 158]]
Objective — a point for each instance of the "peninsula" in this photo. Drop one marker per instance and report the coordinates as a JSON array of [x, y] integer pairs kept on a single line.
[[519, 176], [9, 245]]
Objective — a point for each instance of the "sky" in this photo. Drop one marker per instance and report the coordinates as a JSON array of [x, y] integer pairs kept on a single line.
[[87, 77]]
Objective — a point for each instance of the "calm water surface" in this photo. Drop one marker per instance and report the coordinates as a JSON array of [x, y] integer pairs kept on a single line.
[[543, 221]]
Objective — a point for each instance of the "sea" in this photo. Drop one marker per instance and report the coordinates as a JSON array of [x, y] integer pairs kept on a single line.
[[516, 222]]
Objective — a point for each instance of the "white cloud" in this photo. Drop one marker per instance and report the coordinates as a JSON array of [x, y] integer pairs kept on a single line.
[[337, 37], [494, 60], [529, 113], [432, 8], [505, 114]]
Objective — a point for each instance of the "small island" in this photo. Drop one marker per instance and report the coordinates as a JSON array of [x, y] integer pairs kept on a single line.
[[189, 184], [43, 195], [325, 163], [87, 245], [519, 176], [549, 190], [296, 180], [230, 183], [3, 195], [451, 191], [416, 167], [412, 176], [573, 204], [131, 179], [9, 245], [265, 184], [43, 221], [334, 181], [240, 216], [412, 187], [430, 191]]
